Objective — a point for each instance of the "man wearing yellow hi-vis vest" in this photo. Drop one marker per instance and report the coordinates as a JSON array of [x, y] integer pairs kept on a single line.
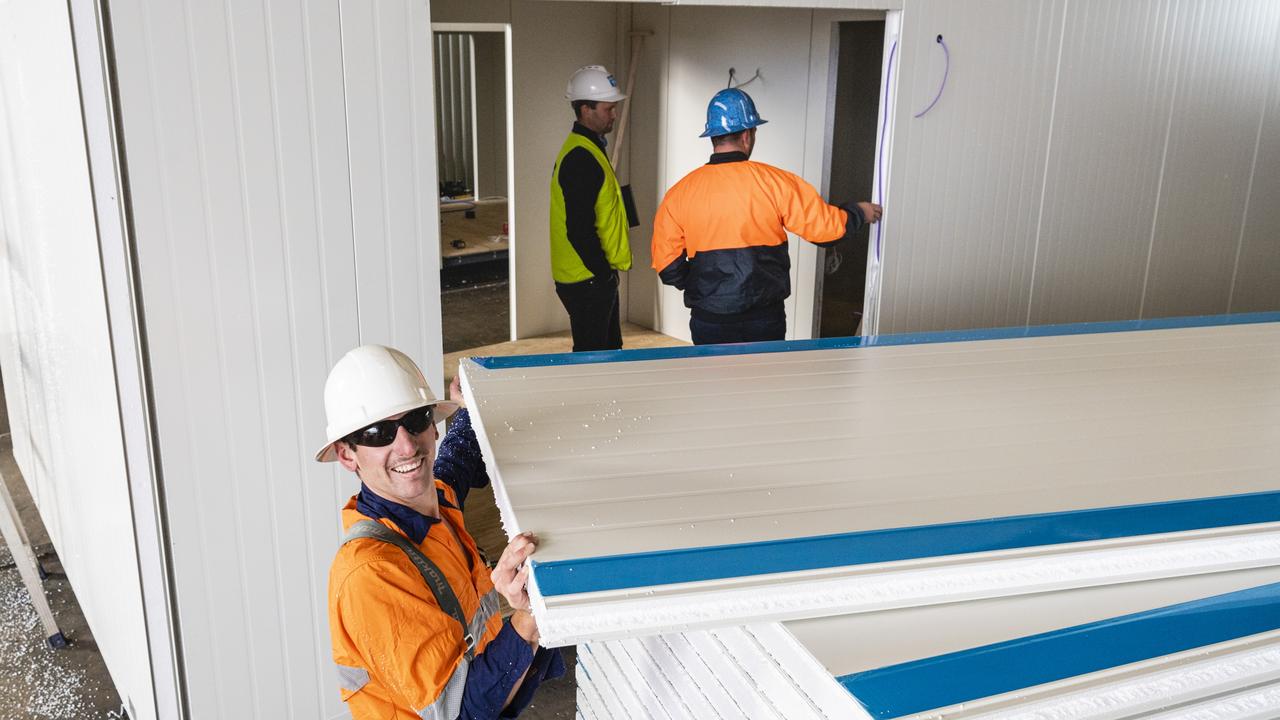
[[588, 218]]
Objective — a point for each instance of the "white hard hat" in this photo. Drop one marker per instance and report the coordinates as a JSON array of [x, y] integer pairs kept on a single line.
[[372, 383], [593, 82]]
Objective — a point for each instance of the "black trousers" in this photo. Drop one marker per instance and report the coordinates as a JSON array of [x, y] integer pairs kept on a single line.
[[593, 312], [756, 325]]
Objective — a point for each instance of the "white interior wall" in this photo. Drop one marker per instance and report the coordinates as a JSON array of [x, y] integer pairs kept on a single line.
[[281, 165], [549, 41], [970, 170], [491, 114], [54, 341], [1257, 266], [1088, 161]]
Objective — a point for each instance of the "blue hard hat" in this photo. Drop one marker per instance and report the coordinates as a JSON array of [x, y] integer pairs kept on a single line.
[[731, 111]]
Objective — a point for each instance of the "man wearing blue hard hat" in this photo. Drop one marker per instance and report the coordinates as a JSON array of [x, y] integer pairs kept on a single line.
[[589, 243], [720, 233]]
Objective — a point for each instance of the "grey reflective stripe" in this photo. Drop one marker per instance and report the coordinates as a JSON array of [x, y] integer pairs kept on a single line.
[[436, 582], [449, 705], [488, 608], [351, 678]]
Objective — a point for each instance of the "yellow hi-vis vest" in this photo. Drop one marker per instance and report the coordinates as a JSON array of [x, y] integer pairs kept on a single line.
[[611, 219]]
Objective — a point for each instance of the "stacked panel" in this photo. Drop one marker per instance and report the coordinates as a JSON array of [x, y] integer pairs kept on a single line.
[[705, 487]]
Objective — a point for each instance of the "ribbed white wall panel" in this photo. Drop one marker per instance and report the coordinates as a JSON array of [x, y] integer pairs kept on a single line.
[[387, 65], [1257, 268], [1223, 69], [903, 635], [965, 187], [55, 346], [281, 162], [836, 667], [1088, 161], [1109, 133], [1131, 674], [637, 471], [638, 455]]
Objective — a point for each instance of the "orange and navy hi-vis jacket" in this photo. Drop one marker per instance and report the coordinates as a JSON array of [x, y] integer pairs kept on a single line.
[[720, 233], [398, 654]]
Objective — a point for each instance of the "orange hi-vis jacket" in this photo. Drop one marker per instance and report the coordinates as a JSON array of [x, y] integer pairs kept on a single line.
[[720, 233], [400, 656]]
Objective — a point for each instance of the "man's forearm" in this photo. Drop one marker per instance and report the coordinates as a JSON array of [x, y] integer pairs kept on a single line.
[[524, 624], [676, 273], [527, 628]]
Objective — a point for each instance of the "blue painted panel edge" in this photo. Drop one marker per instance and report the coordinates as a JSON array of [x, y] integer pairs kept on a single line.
[[990, 670], [620, 572], [1006, 333]]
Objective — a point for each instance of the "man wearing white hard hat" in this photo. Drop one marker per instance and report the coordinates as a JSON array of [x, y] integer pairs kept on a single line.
[[413, 608], [589, 242]]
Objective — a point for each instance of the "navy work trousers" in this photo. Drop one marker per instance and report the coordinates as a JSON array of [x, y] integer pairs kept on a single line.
[[593, 312], [756, 325]]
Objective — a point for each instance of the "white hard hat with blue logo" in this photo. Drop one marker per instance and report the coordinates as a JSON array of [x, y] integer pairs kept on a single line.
[[731, 110], [595, 83]]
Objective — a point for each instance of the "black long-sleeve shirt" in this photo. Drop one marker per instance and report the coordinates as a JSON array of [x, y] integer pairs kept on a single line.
[[580, 181]]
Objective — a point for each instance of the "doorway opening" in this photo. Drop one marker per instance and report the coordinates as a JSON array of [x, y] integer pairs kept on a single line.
[[854, 125], [474, 157]]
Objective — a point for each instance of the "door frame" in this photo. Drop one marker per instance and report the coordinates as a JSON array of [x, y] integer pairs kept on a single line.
[[817, 165], [512, 233]]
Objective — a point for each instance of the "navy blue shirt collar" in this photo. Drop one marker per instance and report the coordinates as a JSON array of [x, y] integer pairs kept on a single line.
[[601, 141], [411, 522], [727, 157]]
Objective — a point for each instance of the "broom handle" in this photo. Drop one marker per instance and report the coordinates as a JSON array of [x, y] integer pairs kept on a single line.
[[636, 41]]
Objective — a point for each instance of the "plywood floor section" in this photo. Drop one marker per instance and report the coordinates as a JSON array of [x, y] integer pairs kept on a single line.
[[478, 235]]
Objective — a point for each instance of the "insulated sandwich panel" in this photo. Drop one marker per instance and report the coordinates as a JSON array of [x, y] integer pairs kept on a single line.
[[754, 671], [1204, 646], [1166, 648], [707, 485]]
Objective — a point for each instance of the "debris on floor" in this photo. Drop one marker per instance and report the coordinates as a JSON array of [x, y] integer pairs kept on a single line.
[[41, 683]]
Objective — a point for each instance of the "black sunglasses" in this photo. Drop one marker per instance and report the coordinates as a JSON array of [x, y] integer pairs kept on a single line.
[[383, 432]]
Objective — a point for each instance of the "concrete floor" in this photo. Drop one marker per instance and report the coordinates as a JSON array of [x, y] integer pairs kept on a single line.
[[43, 684], [36, 681]]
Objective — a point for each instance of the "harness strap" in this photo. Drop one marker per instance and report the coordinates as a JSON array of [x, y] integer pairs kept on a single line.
[[436, 582]]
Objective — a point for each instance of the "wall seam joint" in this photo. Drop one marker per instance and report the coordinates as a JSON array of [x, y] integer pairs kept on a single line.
[[1048, 156]]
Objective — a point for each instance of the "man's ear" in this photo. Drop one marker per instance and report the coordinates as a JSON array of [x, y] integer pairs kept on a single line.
[[346, 455]]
